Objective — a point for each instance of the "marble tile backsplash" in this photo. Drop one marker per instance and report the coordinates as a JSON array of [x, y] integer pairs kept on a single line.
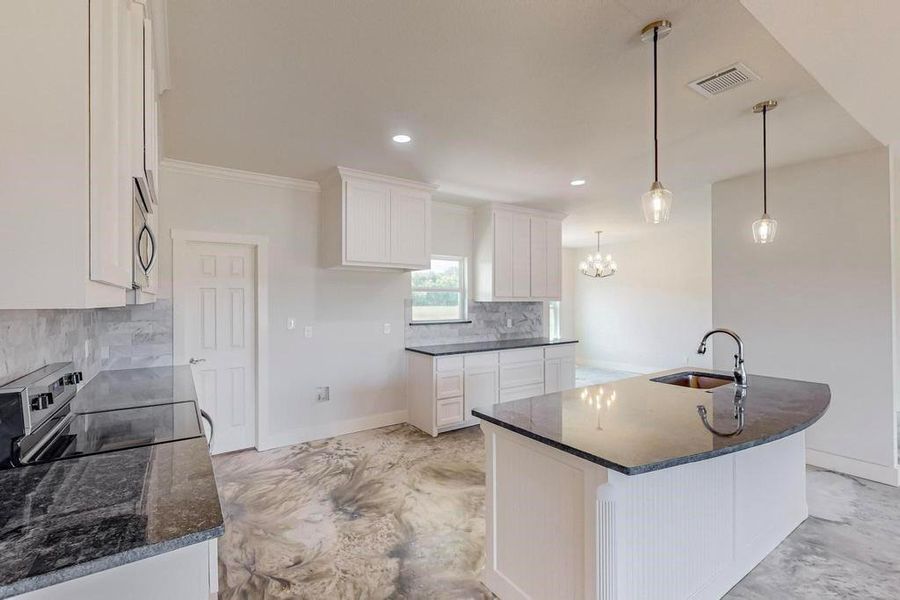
[[95, 340], [488, 324]]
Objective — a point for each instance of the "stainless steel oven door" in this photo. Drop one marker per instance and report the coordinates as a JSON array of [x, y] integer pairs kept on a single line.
[[145, 246]]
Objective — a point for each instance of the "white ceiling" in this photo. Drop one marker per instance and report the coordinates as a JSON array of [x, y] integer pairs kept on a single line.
[[851, 48], [506, 100]]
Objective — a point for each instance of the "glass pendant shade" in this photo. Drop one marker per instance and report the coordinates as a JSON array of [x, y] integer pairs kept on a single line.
[[764, 229], [657, 203]]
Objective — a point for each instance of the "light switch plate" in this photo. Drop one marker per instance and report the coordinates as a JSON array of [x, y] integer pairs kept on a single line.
[[387, 328], [323, 394], [307, 331], [291, 324], [509, 322]]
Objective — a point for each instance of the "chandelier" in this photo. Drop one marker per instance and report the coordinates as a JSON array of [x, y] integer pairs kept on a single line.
[[598, 265]]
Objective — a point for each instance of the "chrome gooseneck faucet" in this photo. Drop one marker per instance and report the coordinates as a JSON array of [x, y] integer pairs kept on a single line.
[[740, 375]]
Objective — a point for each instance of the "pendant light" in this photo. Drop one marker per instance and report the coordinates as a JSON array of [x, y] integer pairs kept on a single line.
[[657, 203], [597, 265], [765, 227]]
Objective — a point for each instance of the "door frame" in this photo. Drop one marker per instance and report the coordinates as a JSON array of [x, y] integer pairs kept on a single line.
[[260, 243]]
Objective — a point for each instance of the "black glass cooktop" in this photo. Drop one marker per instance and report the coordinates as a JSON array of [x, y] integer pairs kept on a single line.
[[81, 434]]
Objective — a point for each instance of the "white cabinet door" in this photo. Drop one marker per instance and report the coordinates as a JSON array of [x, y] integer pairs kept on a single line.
[[410, 228], [110, 180], [539, 257], [566, 373], [503, 255], [151, 115], [554, 259], [521, 249], [481, 388], [367, 222], [552, 375]]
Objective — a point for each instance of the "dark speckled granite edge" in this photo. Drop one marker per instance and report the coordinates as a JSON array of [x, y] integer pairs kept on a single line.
[[37, 582], [663, 464], [451, 349]]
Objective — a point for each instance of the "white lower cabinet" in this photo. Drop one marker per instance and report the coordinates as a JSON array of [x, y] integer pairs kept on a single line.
[[559, 368], [443, 391], [189, 573]]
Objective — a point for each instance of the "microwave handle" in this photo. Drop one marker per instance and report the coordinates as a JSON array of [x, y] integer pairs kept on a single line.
[[149, 265]]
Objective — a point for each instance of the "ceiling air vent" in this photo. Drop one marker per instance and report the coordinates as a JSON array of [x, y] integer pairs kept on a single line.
[[723, 80]]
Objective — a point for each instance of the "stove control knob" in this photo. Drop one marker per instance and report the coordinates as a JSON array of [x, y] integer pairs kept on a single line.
[[36, 403]]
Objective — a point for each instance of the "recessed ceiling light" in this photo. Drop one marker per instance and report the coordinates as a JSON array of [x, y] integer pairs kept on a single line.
[[577, 182], [402, 138]]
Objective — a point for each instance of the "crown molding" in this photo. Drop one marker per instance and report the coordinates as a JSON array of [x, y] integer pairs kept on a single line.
[[226, 174], [345, 172], [452, 207]]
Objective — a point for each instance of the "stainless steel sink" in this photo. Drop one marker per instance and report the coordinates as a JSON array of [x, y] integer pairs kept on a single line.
[[695, 379]]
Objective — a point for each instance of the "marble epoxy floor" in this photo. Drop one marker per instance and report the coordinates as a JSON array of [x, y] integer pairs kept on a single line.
[[394, 513]]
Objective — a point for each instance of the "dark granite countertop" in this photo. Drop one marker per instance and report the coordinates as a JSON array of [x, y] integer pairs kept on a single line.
[[470, 347], [636, 425], [66, 519]]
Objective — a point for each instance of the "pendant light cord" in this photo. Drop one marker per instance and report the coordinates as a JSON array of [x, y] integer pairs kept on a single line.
[[765, 173], [655, 110]]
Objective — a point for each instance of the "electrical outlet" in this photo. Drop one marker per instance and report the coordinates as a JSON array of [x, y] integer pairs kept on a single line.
[[387, 328], [323, 394], [292, 324], [307, 331], [87, 348], [508, 323]]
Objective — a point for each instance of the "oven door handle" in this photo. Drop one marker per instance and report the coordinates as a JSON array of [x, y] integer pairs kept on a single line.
[[146, 267], [209, 420]]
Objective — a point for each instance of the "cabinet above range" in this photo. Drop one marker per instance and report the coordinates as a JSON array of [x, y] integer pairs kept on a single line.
[[518, 254], [79, 127], [372, 221]]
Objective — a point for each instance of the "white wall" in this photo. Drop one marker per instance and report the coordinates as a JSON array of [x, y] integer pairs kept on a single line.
[[652, 313], [452, 229], [347, 309], [816, 304]]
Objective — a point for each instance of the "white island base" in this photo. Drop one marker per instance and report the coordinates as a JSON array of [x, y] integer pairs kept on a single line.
[[561, 527]]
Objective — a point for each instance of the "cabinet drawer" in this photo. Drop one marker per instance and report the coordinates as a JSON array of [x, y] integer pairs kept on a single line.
[[561, 351], [508, 357], [449, 363], [524, 391], [521, 374], [449, 412], [448, 385], [482, 359]]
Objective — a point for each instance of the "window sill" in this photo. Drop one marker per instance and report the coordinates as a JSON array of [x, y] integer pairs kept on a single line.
[[453, 322]]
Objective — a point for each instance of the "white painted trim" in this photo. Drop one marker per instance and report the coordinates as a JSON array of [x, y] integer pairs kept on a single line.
[[180, 239], [852, 466], [451, 207], [550, 214], [621, 366], [345, 172], [327, 430], [226, 174]]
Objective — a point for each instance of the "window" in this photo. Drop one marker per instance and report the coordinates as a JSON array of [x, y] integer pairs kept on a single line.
[[553, 319], [439, 293]]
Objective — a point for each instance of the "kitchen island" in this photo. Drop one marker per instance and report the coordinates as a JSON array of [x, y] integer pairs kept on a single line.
[[641, 488]]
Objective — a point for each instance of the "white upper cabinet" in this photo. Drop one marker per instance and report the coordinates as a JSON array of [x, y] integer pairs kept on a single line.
[[518, 254], [375, 221], [73, 140]]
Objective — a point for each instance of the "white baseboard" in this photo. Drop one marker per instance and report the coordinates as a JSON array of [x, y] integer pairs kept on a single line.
[[327, 430], [851, 466]]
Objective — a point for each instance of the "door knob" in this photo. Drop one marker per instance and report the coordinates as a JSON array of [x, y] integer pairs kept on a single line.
[[195, 361]]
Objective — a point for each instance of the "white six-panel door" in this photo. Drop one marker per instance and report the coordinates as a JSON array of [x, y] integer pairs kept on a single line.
[[219, 321]]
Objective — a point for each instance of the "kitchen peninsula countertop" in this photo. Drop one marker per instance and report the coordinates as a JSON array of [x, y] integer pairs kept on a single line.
[[635, 425], [470, 347], [69, 518]]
